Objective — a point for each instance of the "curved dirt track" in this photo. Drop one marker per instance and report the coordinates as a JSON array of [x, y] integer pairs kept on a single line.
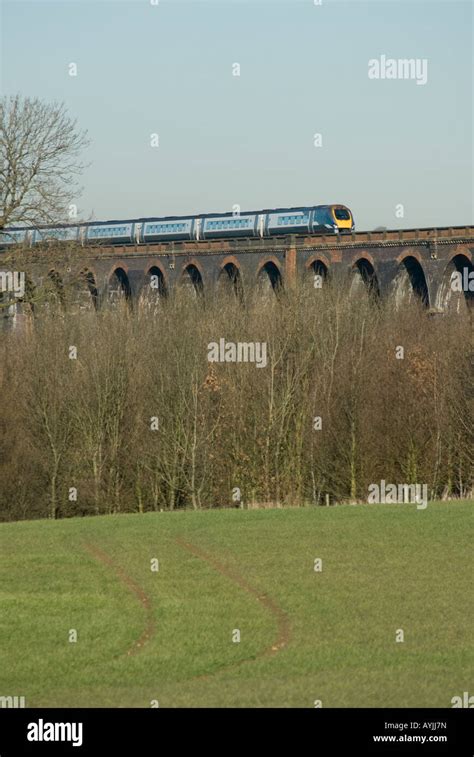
[[282, 620], [283, 625], [141, 595]]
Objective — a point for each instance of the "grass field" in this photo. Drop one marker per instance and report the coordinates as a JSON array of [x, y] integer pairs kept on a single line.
[[305, 635]]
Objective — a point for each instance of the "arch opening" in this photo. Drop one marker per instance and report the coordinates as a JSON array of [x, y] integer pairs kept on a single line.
[[410, 283], [85, 293], [191, 281], [318, 274], [154, 290], [119, 289], [364, 279], [269, 279], [456, 291], [230, 280]]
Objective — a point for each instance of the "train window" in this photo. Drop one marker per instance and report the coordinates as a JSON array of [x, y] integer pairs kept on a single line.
[[341, 214]]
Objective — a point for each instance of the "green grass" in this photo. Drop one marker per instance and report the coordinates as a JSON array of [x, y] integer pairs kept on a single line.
[[385, 567]]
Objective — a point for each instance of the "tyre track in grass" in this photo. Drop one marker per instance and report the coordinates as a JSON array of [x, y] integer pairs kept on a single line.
[[136, 590], [282, 620]]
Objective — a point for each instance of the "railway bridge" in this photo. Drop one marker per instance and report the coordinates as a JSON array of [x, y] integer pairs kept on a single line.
[[434, 265]]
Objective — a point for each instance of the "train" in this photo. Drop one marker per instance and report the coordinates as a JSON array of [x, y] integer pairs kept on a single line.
[[319, 219]]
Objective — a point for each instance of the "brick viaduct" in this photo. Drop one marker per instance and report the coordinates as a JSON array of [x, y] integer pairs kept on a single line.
[[390, 263]]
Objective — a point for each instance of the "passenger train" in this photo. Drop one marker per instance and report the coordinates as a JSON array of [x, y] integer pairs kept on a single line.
[[320, 219]]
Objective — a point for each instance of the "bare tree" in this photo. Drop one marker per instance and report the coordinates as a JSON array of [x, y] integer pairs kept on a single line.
[[40, 146]]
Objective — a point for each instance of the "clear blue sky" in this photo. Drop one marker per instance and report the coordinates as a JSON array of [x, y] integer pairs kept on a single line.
[[248, 140]]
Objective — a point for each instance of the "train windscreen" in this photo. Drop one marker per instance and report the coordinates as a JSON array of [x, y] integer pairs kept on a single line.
[[341, 214]]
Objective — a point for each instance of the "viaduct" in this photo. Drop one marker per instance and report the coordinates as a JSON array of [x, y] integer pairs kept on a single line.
[[401, 263]]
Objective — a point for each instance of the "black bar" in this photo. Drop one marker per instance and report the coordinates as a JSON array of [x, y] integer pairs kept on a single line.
[[315, 731]]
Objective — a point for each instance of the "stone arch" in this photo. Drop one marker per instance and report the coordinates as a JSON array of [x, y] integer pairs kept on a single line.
[[119, 288], [156, 284], [269, 278], [191, 279], [317, 272], [91, 282], [410, 282], [364, 278], [230, 278], [154, 290], [456, 290], [85, 294]]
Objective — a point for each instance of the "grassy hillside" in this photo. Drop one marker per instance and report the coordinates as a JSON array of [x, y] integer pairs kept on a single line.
[[305, 635]]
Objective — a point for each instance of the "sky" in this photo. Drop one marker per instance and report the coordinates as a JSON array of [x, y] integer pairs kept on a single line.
[[399, 153]]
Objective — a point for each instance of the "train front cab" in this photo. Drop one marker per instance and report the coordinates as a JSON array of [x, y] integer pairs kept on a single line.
[[342, 217]]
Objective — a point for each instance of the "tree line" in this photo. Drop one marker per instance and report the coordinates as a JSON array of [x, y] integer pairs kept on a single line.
[[122, 411]]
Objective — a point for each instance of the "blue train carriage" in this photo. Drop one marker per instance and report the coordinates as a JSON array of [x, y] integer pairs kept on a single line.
[[16, 236], [291, 221], [228, 225], [163, 229], [58, 233], [111, 232]]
